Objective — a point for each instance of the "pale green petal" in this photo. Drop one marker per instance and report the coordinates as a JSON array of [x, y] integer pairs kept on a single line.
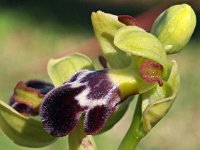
[[61, 69], [159, 100], [105, 25], [22, 130], [137, 42]]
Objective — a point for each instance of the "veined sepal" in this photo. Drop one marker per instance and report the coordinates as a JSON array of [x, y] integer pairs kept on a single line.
[[22, 130], [61, 69]]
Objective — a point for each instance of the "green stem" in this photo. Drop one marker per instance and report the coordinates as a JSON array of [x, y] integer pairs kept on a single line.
[[135, 132], [78, 140]]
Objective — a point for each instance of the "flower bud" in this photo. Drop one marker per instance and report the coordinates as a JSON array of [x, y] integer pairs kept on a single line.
[[174, 27]]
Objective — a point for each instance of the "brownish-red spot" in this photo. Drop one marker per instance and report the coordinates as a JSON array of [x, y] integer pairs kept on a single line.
[[128, 20], [151, 72]]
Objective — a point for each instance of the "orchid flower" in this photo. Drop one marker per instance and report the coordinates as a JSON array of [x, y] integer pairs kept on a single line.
[[87, 99]]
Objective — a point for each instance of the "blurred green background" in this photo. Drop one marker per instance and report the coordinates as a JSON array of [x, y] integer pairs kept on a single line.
[[31, 31]]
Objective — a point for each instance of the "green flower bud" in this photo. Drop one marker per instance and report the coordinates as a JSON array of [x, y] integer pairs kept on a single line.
[[174, 27]]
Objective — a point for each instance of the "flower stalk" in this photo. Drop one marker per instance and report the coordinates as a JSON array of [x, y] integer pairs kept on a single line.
[[135, 133], [78, 140]]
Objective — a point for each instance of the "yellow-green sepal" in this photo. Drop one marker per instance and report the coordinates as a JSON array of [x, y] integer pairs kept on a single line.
[[174, 27], [22, 130], [137, 42], [157, 101], [61, 69], [105, 25]]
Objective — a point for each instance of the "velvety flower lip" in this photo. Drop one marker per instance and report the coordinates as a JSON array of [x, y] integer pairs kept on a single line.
[[27, 96], [88, 93]]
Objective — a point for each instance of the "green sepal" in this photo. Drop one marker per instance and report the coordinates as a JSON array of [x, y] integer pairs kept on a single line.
[[61, 69], [159, 100], [117, 115], [174, 27], [105, 25], [137, 42], [22, 130]]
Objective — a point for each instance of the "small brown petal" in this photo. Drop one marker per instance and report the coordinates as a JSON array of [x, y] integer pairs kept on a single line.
[[151, 72], [128, 20]]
